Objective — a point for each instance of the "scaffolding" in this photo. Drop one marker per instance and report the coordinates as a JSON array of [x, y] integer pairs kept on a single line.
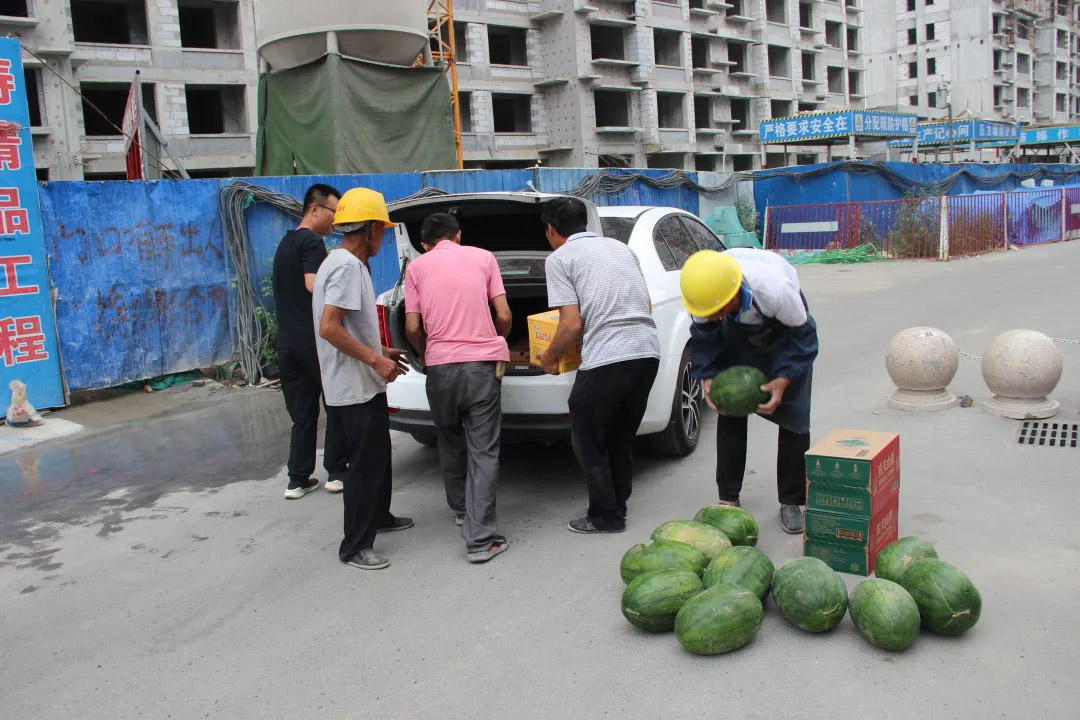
[[1038, 9], [442, 52]]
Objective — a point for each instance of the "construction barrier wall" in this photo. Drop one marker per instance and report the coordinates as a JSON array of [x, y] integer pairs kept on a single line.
[[936, 228], [140, 274], [868, 181]]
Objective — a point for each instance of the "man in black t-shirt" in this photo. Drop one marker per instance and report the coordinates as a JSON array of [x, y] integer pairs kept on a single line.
[[295, 264]]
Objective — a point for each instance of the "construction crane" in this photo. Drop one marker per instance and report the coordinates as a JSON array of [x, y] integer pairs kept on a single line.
[[442, 52]]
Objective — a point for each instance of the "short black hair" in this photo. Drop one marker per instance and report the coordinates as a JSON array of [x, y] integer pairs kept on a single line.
[[568, 215], [440, 226], [319, 193]]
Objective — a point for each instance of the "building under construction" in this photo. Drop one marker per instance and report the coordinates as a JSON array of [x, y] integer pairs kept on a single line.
[[991, 59]]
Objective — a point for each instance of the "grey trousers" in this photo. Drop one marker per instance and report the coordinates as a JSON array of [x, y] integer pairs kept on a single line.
[[465, 401]]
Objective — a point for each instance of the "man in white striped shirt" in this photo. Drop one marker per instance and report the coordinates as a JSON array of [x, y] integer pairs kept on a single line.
[[598, 287]]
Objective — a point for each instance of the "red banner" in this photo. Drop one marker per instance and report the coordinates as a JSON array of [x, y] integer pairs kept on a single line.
[[131, 125]]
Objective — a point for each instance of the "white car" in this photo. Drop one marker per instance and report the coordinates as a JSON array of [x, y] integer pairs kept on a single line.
[[534, 404]]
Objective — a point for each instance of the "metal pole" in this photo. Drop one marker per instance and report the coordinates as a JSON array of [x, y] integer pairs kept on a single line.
[[952, 146]]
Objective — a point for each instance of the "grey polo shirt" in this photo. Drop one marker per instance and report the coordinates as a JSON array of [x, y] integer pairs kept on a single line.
[[344, 282], [603, 277]]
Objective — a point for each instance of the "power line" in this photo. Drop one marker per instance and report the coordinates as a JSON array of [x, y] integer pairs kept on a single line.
[[157, 159]]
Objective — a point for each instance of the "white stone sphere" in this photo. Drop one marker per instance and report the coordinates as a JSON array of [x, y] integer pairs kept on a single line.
[[922, 358], [1021, 364]]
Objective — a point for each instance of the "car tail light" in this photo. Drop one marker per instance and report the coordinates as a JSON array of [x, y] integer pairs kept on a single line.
[[393, 410], [384, 326]]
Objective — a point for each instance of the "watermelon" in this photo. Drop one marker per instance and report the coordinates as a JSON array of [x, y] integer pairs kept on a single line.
[[652, 599], [661, 555], [719, 620], [704, 537], [895, 557], [737, 391], [744, 567], [809, 594], [739, 525], [948, 601], [885, 614]]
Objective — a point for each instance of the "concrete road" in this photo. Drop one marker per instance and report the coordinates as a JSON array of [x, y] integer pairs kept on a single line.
[[154, 571]]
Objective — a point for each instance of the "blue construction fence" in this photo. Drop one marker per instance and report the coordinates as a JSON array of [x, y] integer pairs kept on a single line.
[[143, 285], [140, 272], [929, 228], [840, 182]]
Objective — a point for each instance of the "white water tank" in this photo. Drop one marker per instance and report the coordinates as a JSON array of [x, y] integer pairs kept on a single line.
[[295, 32]]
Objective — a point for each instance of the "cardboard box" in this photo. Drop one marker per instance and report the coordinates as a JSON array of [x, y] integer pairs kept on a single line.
[[853, 472], [519, 356], [875, 532], [541, 330], [843, 559], [843, 538]]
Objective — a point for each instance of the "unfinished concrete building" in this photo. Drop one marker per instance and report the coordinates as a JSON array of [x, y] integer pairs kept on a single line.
[[609, 83], [198, 73], [994, 59], [652, 83]]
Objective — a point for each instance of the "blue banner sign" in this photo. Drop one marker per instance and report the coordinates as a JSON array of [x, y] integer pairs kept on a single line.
[[842, 124], [1051, 135], [27, 331], [933, 134]]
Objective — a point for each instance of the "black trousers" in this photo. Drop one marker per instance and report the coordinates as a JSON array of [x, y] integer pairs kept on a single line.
[[301, 385], [365, 429], [731, 461], [606, 408]]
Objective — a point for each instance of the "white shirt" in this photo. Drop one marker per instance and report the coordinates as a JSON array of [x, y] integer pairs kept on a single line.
[[775, 286]]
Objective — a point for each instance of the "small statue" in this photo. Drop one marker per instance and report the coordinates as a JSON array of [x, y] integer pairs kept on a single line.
[[21, 413]]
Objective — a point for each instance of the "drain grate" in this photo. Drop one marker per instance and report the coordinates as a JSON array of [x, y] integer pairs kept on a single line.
[[1044, 434]]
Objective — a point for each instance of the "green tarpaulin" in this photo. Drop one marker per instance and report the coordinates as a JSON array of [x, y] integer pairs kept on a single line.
[[340, 116], [724, 221]]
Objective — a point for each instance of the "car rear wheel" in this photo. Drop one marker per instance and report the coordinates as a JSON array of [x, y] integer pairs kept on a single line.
[[681, 435], [425, 439]]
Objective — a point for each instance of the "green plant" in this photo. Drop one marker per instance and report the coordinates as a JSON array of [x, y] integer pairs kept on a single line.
[[268, 325], [748, 215], [915, 231]]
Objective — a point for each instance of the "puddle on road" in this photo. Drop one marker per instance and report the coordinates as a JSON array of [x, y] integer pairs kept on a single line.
[[106, 475]]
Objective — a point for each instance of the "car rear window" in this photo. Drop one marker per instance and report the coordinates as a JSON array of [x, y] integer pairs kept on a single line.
[[618, 228], [520, 268]]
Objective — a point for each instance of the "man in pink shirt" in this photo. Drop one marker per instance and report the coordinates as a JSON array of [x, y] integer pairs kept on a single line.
[[449, 293]]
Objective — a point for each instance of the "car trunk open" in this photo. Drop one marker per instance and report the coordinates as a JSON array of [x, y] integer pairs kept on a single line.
[[510, 229]]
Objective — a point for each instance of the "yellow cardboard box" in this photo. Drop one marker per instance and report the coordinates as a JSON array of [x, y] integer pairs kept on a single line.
[[541, 330]]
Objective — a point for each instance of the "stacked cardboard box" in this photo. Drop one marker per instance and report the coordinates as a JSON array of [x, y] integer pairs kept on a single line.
[[542, 329], [852, 498]]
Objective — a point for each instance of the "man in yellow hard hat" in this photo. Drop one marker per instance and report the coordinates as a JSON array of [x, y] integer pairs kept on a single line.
[[748, 308], [355, 370]]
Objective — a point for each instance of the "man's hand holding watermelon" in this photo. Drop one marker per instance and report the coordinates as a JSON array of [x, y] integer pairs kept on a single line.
[[775, 388]]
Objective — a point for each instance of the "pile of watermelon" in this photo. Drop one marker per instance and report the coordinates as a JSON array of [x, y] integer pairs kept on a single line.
[[705, 579]]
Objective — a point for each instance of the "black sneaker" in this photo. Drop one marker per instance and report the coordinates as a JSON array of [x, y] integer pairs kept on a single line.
[[297, 490], [791, 519], [368, 559], [398, 523], [585, 526]]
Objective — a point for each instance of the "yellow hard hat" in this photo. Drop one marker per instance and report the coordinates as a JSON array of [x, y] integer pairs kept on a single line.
[[361, 205], [709, 281]]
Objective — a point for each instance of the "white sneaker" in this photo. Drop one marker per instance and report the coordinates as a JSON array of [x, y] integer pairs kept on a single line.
[[334, 486], [295, 493]]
